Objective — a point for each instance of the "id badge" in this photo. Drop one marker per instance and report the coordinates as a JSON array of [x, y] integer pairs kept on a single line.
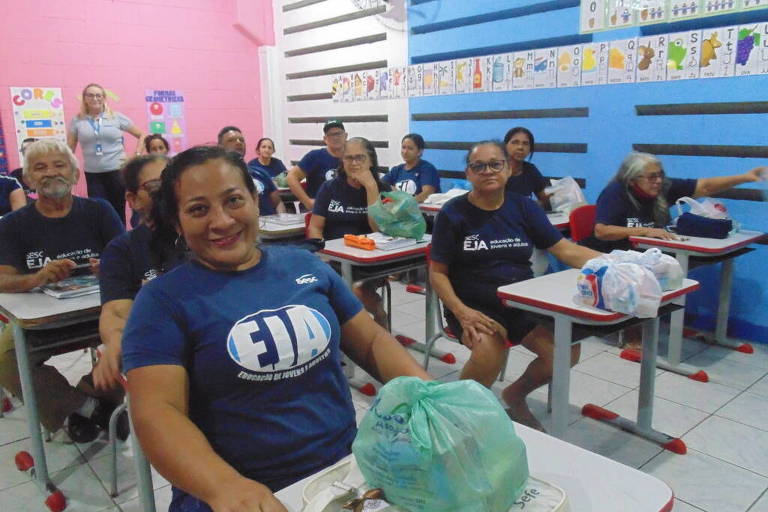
[[99, 151]]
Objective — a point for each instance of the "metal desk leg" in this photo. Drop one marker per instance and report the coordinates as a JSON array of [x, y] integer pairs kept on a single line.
[[146, 489], [561, 375], [39, 468], [365, 388], [430, 328], [724, 309]]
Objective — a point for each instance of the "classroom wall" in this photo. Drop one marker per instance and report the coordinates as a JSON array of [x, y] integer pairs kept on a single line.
[[208, 49], [445, 29]]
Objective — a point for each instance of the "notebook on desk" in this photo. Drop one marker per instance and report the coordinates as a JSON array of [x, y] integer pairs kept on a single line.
[[391, 243], [74, 286]]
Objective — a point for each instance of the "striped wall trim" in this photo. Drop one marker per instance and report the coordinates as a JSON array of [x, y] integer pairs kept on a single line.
[[504, 48], [373, 118], [503, 14], [310, 97], [701, 150], [318, 142], [503, 114], [541, 147], [336, 19], [444, 173], [689, 109], [375, 38], [376, 64], [299, 5], [742, 194]]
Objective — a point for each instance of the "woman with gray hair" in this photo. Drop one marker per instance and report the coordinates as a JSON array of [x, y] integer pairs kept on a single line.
[[636, 202]]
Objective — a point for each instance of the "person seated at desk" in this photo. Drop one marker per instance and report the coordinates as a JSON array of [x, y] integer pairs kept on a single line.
[[416, 176], [12, 195], [341, 208], [319, 165], [232, 139], [482, 240], [637, 200], [18, 173], [126, 265], [156, 144], [524, 178], [43, 243], [265, 162], [234, 358]]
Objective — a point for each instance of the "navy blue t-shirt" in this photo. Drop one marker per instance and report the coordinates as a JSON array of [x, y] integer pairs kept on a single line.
[[614, 208], [528, 182], [264, 186], [487, 249], [411, 182], [7, 185], [262, 350], [344, 207], [319, 166], [29, 240], [126, 265], [274, 168]]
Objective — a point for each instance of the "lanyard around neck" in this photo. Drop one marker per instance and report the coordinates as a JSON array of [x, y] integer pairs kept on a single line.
[[96, 125]]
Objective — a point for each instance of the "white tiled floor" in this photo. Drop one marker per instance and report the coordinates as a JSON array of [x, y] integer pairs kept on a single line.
[[724, 423]]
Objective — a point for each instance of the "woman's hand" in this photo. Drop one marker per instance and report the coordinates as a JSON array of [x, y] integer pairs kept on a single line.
[[364, 177], [106, 373], [475, 324], [659, 233], [55, 271], [244, 495], [756, 174]]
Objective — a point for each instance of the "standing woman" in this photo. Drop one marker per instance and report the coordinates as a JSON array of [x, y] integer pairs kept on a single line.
[[264, 161], [416, 176], [525, 178], [99, 131]]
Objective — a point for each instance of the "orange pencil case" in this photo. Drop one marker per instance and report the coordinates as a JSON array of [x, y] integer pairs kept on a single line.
[[359, 241]]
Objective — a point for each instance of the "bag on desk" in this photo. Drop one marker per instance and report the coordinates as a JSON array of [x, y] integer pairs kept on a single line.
[[565, 195], [708, 219], [627, 288], [441, 447], [398, 214], [667, 269]]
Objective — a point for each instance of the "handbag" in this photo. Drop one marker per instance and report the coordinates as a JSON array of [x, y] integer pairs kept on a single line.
[[708, 219]]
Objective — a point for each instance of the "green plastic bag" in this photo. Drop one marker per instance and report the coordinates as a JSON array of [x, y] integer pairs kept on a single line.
[[397, 214], [441, 447], [281, 180]]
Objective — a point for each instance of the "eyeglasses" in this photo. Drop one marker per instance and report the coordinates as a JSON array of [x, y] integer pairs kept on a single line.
[[356, 159], [93, 96], [150, 186], [495, 166], [656, 176]]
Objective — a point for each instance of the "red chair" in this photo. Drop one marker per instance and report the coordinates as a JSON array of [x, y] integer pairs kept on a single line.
[[582, 222], [307, 218]]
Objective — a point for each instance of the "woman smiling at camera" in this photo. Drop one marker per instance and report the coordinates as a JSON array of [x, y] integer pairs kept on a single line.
[[483, 240], [234, 358]]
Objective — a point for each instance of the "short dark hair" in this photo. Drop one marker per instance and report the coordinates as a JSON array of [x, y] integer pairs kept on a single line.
[[225, 130], [132, 169], [521, 129], [476, 145], [417, 139], [155, 136]]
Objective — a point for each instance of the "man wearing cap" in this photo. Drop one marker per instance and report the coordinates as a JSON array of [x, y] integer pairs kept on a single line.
[[318, 165]]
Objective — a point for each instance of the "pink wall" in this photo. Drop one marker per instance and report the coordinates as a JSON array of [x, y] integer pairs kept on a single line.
[[128, 47]]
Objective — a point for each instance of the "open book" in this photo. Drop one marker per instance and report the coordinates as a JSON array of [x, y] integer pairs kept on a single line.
[[74, 286], [390, 243]]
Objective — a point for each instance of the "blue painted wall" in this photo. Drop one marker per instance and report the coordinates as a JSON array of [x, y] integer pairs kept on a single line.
[[610, 130]]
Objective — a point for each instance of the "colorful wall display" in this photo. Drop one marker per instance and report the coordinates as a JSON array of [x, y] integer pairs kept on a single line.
[[165, 115], [708, 53], [3, 151], [38, 112], [596, 15]]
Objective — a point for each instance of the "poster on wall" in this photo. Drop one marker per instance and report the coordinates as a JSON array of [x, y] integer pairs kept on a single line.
[[683, 10], [446, 77], [522, 74], [750, 42], [38, 112], [479, 75], [651, 11], [3, 152], [383, 79], [545, 68], [165, 112], [651, 58], [397, 82], [594, 63], [683, 55], [754, 4], [428, 86], [592, 15], [414, 80], [621, 61], [569, 66], [717, 52], [499, 73], [619, 14], [713, 7]]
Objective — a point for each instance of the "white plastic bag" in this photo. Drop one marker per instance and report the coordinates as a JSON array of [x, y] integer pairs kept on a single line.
[[565, 194], [624, 287], [708, 207], [667, 269]]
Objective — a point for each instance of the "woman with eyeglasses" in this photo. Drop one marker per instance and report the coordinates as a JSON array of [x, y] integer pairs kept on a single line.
[[99, 131], [482, 240], [524, 177], [341, 208], [234, 358], [637, 200]]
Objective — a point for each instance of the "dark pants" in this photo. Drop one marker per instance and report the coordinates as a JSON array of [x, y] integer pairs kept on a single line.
[[109, 186]]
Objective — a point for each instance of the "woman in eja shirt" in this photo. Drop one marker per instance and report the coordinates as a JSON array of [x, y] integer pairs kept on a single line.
[[637, 200], [483, 240]]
